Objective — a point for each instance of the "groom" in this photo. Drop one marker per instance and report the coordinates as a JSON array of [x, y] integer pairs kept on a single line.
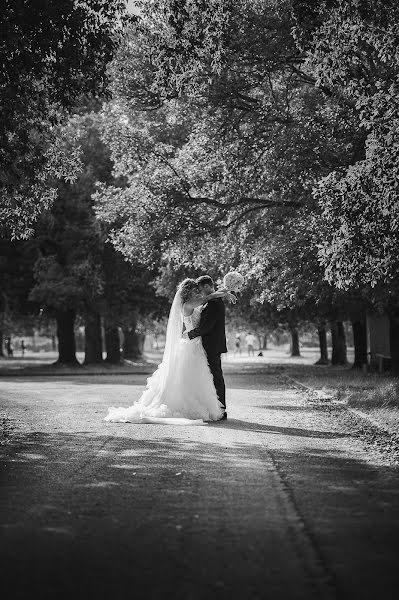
[[212, 331]]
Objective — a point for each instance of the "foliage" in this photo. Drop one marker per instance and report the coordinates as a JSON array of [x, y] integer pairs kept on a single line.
[[261, 135], [129, 294], [202, 171], [69, 239], [53, 54], [16, 275], [359, 202], [77, 268]]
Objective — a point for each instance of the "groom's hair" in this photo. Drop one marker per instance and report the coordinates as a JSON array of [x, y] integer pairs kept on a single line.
[[205, 280]]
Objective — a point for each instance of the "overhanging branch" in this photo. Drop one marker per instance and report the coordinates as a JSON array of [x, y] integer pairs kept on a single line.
[[260, 202]]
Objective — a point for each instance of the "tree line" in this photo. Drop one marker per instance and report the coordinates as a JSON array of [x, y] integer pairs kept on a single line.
[[263, 135], [258, 135], [67, 271], [55, 260]]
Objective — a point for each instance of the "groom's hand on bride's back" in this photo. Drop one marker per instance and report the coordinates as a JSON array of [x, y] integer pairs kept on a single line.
[[192, 334]]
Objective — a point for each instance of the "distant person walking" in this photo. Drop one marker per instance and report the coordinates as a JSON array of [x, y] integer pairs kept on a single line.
[[250, 341], [237, 346], [23, 347], [9, 347]]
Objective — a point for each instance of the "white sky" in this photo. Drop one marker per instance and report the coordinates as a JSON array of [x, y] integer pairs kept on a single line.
[[131, 7]]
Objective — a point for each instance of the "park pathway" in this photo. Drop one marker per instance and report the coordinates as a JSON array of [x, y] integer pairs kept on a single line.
[[277, 502]]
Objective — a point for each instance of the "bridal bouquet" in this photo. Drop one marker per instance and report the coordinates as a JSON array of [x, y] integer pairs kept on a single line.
[[233, 281]]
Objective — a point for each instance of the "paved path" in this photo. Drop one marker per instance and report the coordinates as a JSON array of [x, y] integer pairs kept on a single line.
[[276, 503]]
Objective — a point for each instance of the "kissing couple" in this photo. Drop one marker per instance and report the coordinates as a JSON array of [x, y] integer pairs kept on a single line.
[[188, 387]]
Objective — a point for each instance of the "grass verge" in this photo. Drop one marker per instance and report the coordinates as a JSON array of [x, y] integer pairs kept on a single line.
[[375, 394]]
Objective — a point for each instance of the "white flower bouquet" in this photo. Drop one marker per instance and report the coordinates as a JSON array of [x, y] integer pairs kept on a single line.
[[233, 281]]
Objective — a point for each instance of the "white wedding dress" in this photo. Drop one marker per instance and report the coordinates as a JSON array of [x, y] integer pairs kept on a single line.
[[181, 391]]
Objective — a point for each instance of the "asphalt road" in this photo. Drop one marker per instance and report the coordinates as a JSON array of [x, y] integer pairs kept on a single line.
[[277, 502]]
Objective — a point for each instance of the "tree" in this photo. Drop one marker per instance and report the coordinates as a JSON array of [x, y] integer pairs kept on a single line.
[[222, 159], [53, 54], [68, 273], [129, 300], [17, 260], [231, 115], [78, 272], [359, 215], [205, 160]]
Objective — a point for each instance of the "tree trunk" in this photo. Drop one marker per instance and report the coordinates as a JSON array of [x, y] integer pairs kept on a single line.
[[322, 333], [294, 342], [394, 343], [141, 337], [1, 343], [131, 344], [66, 337], [112, 344], [360, 343], [338, 343], [264, 344], [93, 342]]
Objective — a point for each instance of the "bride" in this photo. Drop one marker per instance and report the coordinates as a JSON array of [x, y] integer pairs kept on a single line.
[[181, 391]]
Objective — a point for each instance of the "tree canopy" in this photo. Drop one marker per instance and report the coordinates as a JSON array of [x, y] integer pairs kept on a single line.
[[52, 54], [359, 202], [259, 135]]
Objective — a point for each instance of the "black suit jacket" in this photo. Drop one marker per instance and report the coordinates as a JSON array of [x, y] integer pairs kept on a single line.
[[212, 328]]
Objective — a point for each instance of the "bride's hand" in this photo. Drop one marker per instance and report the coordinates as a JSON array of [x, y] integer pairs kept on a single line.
[[222, 292]]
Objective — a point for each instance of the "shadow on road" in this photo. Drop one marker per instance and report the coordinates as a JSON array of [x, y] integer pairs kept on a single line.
[[169, 516], [259, 428]]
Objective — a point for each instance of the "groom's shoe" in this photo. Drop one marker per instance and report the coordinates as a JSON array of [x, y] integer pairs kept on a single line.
[[223, 417]]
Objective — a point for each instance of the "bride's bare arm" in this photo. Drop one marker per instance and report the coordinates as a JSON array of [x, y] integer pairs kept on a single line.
[[222, 293], [189, 306]]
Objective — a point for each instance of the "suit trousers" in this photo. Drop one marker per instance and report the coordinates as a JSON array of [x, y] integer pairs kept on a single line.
[[215, 365]]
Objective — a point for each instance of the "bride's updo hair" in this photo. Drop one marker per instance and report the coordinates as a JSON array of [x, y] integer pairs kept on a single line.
[[186, 288]]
